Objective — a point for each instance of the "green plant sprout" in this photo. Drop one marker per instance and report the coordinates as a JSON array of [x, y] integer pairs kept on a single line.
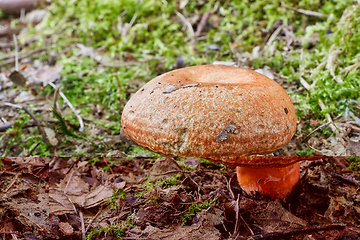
[[170, 181], [117, 229], [305, 152], [16, 131], [197, 207], [135, 150], [119, 194], [354, 163], [147, 186], [1, 164]]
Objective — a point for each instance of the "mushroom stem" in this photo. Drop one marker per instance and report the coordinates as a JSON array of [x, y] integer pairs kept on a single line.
[[272, 182]]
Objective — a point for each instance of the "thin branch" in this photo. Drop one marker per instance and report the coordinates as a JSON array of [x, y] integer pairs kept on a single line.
[[21, 56], [237, 215], [82, 224], [302, 80], [81, 129], [12, 182], [36, 121], [296, 232], [202, 23], [16, 54], [274, 35], [190, 30]]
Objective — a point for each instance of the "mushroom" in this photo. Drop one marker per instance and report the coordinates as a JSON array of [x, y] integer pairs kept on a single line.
[[220, 113]]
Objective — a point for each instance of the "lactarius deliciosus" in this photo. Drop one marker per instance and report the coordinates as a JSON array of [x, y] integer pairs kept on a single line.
[[220, 113]]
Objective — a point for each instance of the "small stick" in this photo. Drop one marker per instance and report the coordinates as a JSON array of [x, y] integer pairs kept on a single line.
[[16, 54], [229, 187], [68, 183], [92, 219], [12, 182], [306, 12], [202, 23], [327, 115], [82, 224], [34, 148], [81, 129], [107, 164], [21, 56], [296, 232], [315, 130], [302, 80], [37, 123], [56, 97], [13, 235], [191, 33], [237, 215], [274, 35], [247, 225]]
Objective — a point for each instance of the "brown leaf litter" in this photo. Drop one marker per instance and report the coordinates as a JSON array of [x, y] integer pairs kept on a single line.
[[79, 196]]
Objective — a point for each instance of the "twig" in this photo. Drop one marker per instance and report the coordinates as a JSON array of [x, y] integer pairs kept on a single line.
[[37, 123], [347, 179], [327, 115], [302, 80], [274, 35], [168, 172], [16, 54], [56, 97], [92, 219], [5, 126], [13, 235], [12, 182], [198, 190], [295, 232], [190, 31], [68, 183], [202, 23], [82, 224], [107, 164], [81, 129], [315, 130], [21, 56], [305, 12], [247, 225], [237, 215], [32, 149], [229, 187]]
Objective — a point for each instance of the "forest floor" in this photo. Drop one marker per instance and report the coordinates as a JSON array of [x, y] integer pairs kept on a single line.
[[160, 198], [67, 172]]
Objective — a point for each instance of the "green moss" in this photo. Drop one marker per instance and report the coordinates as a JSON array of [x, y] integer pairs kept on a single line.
[[92, 160], [135, 150], [197, 207], [1, 164], [336, 87], [147, 186], [147, 37], [118, 195], [305, 152], [169, 182], [117, 229], [210, 163], [354, 163]]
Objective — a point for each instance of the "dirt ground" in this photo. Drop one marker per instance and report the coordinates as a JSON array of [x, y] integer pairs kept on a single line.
[[67, 198], [145, 197]]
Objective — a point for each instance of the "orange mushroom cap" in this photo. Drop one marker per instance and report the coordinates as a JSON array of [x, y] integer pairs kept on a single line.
[[217, 112]]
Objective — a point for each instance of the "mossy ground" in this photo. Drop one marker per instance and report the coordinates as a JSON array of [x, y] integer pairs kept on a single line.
[[108, 49]]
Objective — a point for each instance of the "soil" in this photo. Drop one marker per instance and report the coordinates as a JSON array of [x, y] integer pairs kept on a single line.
[[73, 196]]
